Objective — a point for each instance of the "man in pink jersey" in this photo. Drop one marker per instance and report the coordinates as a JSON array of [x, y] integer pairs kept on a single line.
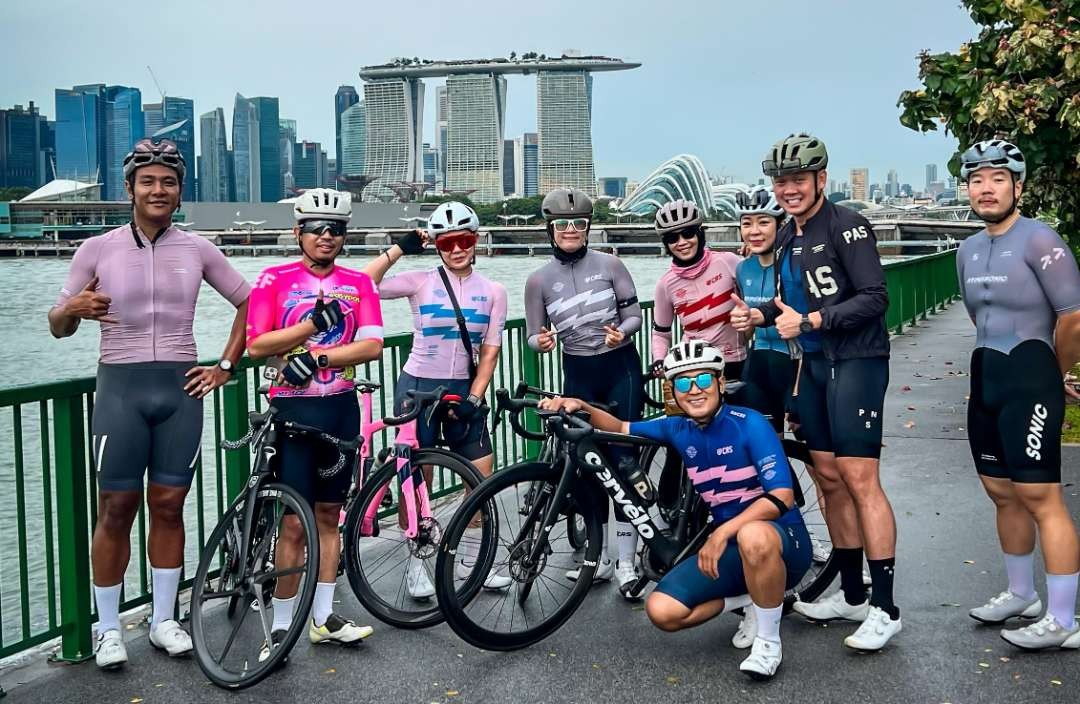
[[697, 288], [140, 282], [319, 319], [441, 354]]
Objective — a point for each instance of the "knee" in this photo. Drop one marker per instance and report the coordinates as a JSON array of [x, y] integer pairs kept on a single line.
[[327, 516], [166, 509], [291, 531], [659, 611], [118, 511], [756, 541]]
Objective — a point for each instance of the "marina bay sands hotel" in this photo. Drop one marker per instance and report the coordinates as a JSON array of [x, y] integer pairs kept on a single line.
[[471, 118]]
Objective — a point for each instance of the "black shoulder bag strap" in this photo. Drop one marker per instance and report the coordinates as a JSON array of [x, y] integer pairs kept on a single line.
[[462, 330]]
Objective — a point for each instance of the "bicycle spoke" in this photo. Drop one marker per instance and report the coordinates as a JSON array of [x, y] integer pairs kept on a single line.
[[232, 636]]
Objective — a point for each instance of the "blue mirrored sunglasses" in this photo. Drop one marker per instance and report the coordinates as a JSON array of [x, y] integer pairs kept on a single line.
[[703, 381]]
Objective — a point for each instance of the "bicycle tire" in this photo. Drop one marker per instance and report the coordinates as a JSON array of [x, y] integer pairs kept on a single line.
[[575, 529], [454, 603], [821, 574], [305, 592], [368, 595]]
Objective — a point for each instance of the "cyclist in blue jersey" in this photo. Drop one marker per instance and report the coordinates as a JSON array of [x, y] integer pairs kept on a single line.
[[735, 460], [1021, 287]]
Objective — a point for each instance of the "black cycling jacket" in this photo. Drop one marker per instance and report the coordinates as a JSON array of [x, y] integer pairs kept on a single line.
[[842, 278]]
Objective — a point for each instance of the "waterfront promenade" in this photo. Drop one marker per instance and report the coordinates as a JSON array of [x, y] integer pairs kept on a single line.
[[948, 561]]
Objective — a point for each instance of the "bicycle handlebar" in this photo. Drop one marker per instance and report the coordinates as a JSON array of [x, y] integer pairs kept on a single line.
[[256, 421], [420, 399]]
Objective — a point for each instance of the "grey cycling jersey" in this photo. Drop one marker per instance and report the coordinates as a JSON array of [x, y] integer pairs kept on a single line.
[[578, 299], [1016, 284]]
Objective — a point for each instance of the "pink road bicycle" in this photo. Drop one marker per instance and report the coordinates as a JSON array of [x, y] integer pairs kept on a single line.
[[394, 516]]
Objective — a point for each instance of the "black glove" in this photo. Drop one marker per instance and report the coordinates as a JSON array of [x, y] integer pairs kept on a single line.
[[657, 369], [465, 410], [326, 315], [411, 243], [300, 369]]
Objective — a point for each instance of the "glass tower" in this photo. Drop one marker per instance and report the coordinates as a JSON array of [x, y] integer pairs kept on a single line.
[[474, 154], [214, 172], [564, 126]]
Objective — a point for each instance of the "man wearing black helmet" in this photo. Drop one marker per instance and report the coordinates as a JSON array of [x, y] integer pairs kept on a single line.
[[831, 285], [587, 300]]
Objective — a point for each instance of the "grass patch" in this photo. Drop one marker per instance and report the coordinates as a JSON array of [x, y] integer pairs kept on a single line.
[[1071, 431]]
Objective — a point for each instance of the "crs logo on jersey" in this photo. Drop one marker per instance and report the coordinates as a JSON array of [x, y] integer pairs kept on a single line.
[[714, 279], [725, 450], [855, 234], [590, 279]]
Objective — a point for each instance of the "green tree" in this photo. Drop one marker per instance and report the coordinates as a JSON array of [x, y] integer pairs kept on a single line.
[[1020, 79], [16, 193]]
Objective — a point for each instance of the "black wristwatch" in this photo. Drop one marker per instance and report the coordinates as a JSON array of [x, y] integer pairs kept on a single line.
[[323, 361], [226, 366], [805, 325]]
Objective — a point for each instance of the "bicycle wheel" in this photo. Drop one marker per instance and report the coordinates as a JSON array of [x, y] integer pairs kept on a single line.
[[541, 597], [227, 641], [575, 529], [379, 557], [822, 570]]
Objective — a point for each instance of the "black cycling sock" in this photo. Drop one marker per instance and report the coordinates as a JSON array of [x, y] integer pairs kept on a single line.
[[881, 591], [850, 563]]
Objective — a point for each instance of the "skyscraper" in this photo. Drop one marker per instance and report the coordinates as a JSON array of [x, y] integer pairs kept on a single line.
[[859, 180], [48, 150], [442, 125], [271, 182], [344, 99], [931, 175], [431, 160], [245, 149], [177, 110], [477, 112], [214, 173], [564, 126], [123, 127], [309, 165], [153, 117], [80, 133], [526, 172], [613, 186], [20, 147], [395, 116], [509, 169], [892, 184], [353, 139], [286, 140]]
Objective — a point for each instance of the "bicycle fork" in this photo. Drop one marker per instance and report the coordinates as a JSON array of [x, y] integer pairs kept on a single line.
[[413, 492]]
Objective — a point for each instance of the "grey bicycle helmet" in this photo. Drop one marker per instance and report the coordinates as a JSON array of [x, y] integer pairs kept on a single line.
[[566, 203], [795, 153], [678, 214], [993, 154]]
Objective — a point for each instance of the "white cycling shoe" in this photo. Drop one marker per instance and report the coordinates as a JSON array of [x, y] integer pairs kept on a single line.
[[764, 659], [1044, 633], [831, 608], [417, 581], [604, 572], [493, 582], [111, 653], [625, 576], [874, 632], [170, 637], [747, 632], [1006, 605]]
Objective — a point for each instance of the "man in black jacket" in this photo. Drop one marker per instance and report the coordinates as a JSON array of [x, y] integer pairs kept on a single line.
[[832, 302]]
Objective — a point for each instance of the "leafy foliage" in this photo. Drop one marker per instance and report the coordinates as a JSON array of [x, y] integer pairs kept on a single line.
[[15, 193], [1020, 79]]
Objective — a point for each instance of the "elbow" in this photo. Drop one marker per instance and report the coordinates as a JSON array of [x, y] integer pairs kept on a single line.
[[256, 349]]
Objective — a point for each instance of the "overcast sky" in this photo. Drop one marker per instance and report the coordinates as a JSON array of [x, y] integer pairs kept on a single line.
[[722, 80]]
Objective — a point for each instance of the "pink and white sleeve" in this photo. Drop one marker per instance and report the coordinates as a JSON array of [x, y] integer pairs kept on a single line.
[[368, 312], [663, 318], [407, 283], [493, 334]]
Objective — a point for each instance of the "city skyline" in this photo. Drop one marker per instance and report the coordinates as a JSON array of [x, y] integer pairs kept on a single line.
[[861, 127]]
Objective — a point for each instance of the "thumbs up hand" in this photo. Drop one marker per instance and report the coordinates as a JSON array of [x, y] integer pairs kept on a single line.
[[90, 304], [741, 315], [789, 320]]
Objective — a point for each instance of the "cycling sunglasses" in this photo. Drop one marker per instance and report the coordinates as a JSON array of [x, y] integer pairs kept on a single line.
[[162, 151], [562, 224], [336, 228], [703, 381], [463, 240], [673, 237]]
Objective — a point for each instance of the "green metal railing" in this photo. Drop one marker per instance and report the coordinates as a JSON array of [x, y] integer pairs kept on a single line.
[[47, 462]]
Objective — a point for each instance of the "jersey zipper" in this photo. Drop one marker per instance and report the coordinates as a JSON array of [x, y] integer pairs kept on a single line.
[[153, 298]]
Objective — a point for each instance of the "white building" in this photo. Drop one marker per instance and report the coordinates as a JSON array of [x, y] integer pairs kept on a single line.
[[394, 113], [564, 128], [476, 107]]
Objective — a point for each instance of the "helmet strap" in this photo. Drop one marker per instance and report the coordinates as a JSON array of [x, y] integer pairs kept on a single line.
[[316, 265], [698, 255], [563, 256]]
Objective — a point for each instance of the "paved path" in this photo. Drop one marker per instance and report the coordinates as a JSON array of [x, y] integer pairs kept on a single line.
[[948, 561]]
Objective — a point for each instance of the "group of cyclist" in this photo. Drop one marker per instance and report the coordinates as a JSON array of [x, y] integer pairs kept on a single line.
[[800, 322]]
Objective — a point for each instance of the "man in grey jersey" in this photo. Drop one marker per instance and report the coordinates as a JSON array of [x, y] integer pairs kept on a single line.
[[587, 301]]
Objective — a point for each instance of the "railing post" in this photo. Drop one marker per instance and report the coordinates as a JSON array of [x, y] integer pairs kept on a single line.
[[530, 369], [235, 425], [72, 529]]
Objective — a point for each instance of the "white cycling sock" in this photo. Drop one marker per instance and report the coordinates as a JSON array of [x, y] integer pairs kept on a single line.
[[108, 607], [283, 613], [768, 622], [1021, 570], [736, 602], [323, 605], [604, 546], [1061, 597], [469, 547], [626, 542], [166, 581]]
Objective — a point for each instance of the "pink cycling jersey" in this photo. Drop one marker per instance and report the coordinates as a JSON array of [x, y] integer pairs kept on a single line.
[[285, 295], [700, 295], [437, 350], [153, 290]]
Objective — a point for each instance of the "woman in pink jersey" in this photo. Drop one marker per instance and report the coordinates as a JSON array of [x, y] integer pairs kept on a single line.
[[441, 355], [697, 288], [320, 320]]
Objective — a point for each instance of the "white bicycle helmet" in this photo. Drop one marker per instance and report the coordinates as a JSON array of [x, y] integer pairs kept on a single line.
[[452, 216], [690, 355], [993, 154], [323, 204], [759, 201], [678, 214]]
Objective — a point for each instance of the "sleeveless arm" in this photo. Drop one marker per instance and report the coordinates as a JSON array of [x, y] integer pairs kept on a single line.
[[626, 301], [535, 313], [663, 318], [219, 273]]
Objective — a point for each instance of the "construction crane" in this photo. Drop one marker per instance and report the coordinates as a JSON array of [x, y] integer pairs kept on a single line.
[[160, 89]]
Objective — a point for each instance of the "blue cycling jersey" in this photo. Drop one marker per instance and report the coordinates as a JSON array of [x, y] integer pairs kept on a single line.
[[795, 295], [757, 285], [732, 461]]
